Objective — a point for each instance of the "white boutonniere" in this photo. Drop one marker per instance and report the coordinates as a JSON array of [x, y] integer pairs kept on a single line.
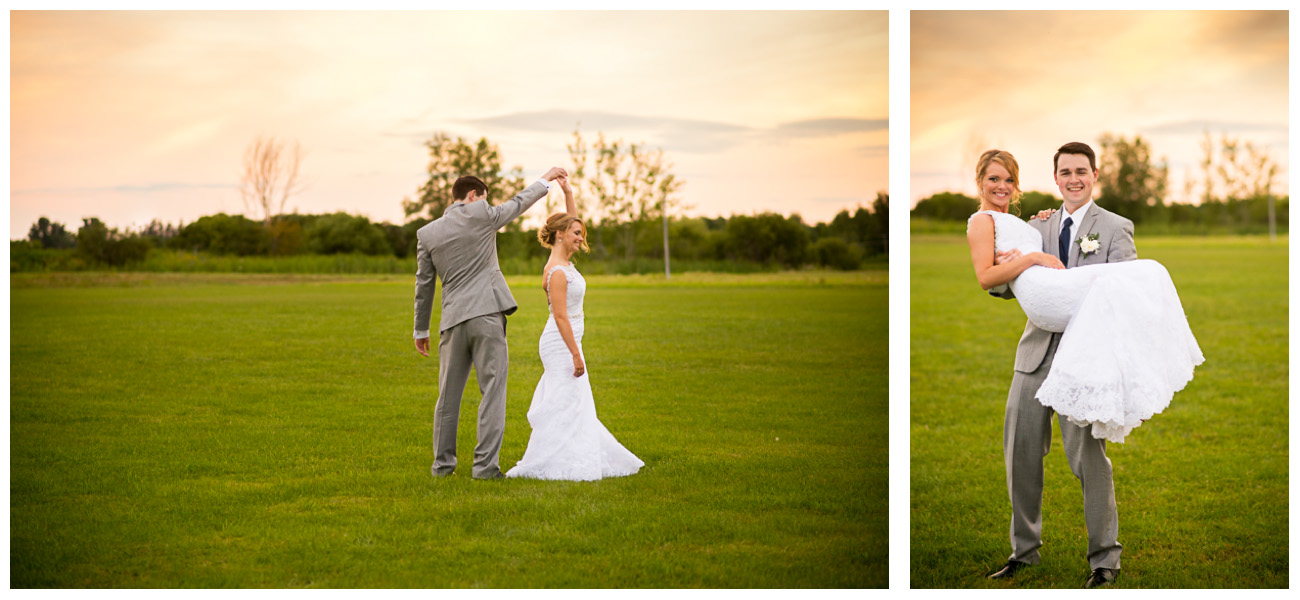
[[1089, 243]]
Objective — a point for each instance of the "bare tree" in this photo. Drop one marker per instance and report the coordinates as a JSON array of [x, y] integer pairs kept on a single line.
[[270, 176], [631, 184]]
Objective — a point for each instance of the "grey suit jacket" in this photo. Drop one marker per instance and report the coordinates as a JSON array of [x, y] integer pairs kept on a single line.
[[460, 247], [1116, 237]]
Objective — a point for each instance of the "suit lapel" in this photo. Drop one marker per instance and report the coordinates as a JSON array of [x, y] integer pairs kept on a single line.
[[1085, 228]]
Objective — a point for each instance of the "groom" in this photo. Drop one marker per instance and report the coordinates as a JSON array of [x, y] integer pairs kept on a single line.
[[460, 247], [1082, 233]]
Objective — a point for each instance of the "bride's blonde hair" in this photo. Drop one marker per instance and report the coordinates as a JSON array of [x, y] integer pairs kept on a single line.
[[1008, 162], [557, 224]]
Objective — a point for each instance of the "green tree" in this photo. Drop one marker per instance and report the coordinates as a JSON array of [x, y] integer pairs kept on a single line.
[[767, 238], [1032, 202], [946, 206], [877, 226], [450, 159], [158, 233], [836, 253], [99, 245], [1132, 184], [223, 234], [341, 233], [50, 234]]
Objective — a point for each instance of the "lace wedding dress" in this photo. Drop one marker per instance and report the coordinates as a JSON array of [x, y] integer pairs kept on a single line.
[[1126, 346], [568, 441]]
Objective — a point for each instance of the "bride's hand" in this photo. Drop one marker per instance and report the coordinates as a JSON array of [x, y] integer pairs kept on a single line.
[[1047, 260], [564, 185], [579, 367]]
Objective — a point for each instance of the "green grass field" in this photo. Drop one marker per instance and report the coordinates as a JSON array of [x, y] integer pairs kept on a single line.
[[1201, 488], [228, 430]]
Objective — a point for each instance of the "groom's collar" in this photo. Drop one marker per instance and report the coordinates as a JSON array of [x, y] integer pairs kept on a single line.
[[1078, 214]]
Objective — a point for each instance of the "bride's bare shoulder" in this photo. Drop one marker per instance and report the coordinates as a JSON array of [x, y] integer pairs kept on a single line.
[[979, 225]]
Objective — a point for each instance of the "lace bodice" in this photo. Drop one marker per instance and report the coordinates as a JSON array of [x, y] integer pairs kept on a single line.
[[574, 293], [1009, 232]]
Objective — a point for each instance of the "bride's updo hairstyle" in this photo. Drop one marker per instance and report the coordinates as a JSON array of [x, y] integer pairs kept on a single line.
[[557, 224], [1008, 162]]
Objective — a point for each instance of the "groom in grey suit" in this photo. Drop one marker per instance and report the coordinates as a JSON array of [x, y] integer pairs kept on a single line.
[[1027, 431], [460, 248]]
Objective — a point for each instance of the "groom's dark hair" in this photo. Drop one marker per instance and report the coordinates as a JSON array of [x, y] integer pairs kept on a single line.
[[465, 185], [1075, 148]]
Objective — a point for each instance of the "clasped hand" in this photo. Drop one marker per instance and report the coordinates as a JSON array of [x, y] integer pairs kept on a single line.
[[1040, 258]]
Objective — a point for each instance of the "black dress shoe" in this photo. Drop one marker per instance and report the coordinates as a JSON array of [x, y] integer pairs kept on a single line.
[[1008, 570], [1101, 577]]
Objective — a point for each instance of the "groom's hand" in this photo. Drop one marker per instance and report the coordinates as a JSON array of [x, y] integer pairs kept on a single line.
[[555, 173], [422, 346], [1006, 257]]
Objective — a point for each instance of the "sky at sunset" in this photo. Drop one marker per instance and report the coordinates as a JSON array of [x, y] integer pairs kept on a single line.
[[1028, 82], [135, 116]]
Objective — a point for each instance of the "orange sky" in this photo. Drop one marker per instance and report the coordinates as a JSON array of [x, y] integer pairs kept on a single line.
[[131, 116], [1028, 82]]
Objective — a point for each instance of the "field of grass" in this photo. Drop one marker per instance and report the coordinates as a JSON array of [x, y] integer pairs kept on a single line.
[[1201, 488], [227, 430]]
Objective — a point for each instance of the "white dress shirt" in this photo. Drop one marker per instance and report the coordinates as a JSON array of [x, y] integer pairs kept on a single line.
[[1075, 218]]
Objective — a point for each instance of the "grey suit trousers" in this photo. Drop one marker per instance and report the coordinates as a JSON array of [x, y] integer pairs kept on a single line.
[[1027, 436], [479, 342]]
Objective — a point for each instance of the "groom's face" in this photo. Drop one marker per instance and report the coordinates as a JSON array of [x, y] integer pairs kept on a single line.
[[1074, 177]]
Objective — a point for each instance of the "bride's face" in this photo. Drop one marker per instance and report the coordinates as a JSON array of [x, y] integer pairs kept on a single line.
[[572, 237], [997, 187]]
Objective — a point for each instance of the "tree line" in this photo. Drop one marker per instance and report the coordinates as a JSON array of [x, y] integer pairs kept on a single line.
[[767, 239], [1233, 190], [626, 192]]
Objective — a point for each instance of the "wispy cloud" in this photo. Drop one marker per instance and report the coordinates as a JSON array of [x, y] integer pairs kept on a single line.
[[872, 150], [688, 135], [1197, 127], [164, 186], [820, 127]]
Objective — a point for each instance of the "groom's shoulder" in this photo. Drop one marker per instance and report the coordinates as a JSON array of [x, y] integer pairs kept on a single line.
[[1038, 224], [1110, 217]]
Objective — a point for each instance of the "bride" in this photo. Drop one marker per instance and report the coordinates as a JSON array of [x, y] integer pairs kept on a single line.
[[568, 441], [1126, 345]]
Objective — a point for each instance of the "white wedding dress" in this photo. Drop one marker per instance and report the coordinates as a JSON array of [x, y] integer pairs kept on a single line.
[[1126, 346], [568, 441]]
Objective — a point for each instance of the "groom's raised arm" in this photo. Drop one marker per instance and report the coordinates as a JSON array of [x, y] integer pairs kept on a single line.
[[511, 209]]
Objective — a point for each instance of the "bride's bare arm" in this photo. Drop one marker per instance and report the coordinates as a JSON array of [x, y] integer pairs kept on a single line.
[[989, 274], [570, 206], [559, 294]]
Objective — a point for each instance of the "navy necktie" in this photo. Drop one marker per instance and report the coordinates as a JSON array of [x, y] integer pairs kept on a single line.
[[1065, 242]]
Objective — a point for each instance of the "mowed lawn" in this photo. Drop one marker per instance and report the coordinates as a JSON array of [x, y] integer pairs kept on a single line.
[[1201, 488], [214, 431]]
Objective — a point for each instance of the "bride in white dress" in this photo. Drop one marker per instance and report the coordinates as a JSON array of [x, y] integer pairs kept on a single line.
[[568, 441], [1126, 346]]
